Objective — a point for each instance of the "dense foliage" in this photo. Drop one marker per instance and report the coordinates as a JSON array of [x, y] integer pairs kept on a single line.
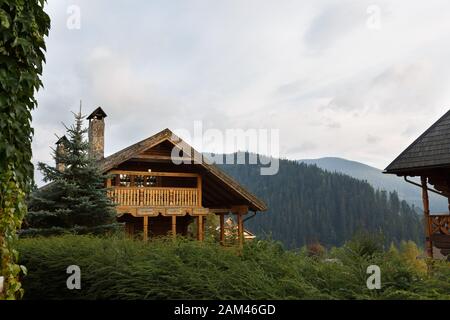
[[23, 25], [76, 196], [118, 268], [307, 204]]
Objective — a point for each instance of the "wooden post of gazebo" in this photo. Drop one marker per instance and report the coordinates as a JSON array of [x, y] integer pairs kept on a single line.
[[426, 211]]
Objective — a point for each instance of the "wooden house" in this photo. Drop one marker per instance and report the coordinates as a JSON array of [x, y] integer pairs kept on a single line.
[[428, 157], [160, 185], [231, 230]]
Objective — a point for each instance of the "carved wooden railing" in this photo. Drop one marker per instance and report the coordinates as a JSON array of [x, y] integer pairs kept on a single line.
[[439, 224], [160, 197], [439, 228]]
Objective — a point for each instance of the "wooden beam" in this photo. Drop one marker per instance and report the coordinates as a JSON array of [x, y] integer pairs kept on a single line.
[[200, 228], [219, 210], [426, 211], [159, 158], [174, 227], [199, 192], [222, 229], [240, 230], [145, 228], [239, 209], [156, 174]]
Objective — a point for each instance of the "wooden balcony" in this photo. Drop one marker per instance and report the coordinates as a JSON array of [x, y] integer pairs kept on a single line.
[[155, 197]]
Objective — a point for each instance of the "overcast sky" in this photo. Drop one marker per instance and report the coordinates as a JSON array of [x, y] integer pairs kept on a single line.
[[355, 79]]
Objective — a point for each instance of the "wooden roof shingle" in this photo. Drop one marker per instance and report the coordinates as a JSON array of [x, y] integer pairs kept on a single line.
[[430, 150]]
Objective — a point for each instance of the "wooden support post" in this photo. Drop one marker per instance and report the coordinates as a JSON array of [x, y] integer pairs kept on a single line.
[[240, 230], [174, 227], [145, 228], [108, 183], [199, 190], [204, 227], [240, 211], [141, 197], [222, 229], [426, 211], [200, 228], [448, 200]]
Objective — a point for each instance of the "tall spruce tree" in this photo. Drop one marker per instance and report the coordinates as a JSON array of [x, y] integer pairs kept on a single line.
[[75, 198]]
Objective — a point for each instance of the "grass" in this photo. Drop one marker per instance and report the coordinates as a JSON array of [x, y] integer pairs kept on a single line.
[[119, 268]]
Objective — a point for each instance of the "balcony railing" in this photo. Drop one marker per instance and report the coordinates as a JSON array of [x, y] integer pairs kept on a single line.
[[439, 224], [154, 197]]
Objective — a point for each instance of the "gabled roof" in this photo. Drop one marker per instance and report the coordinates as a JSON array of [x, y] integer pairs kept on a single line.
[[63, 139], [430, 150], [98, 113], [128, 153]]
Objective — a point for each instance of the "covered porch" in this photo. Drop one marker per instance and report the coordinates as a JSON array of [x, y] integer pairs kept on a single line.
[[166, 203]]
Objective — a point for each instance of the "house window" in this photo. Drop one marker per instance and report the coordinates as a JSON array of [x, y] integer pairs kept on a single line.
[[150, 181], [125, 180], [139, 181]]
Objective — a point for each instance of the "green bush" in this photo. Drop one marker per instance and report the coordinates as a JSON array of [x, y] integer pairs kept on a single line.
[[119, 268], [107, 229]]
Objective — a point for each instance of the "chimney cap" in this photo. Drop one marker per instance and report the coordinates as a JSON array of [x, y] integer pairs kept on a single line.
[[63, 139], [97, 113]]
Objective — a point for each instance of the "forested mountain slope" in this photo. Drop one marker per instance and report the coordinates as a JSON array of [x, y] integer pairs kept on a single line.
[[379, 180], [307, 204]]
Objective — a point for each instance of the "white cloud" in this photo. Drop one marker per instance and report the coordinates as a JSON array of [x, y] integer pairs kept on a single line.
[[310, 68]]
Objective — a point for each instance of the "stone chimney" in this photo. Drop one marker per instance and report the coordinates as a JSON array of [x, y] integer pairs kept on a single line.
[[97, 134], [60, 152]]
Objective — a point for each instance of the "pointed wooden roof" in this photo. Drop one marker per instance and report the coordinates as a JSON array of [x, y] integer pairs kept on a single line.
[[63, 139], [99, 113], [128, 153], [430, 151]]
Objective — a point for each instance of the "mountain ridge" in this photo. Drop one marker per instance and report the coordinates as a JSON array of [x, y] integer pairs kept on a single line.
[[378, 180], [308, 204]]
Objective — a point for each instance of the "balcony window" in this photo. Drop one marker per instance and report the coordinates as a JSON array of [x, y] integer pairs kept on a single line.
[[125, 180]]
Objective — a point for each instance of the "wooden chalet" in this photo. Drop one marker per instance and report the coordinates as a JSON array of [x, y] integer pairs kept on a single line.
[[428, 157], [155, 194]]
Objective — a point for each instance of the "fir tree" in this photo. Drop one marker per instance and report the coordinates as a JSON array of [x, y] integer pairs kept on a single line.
[[76, 195]]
